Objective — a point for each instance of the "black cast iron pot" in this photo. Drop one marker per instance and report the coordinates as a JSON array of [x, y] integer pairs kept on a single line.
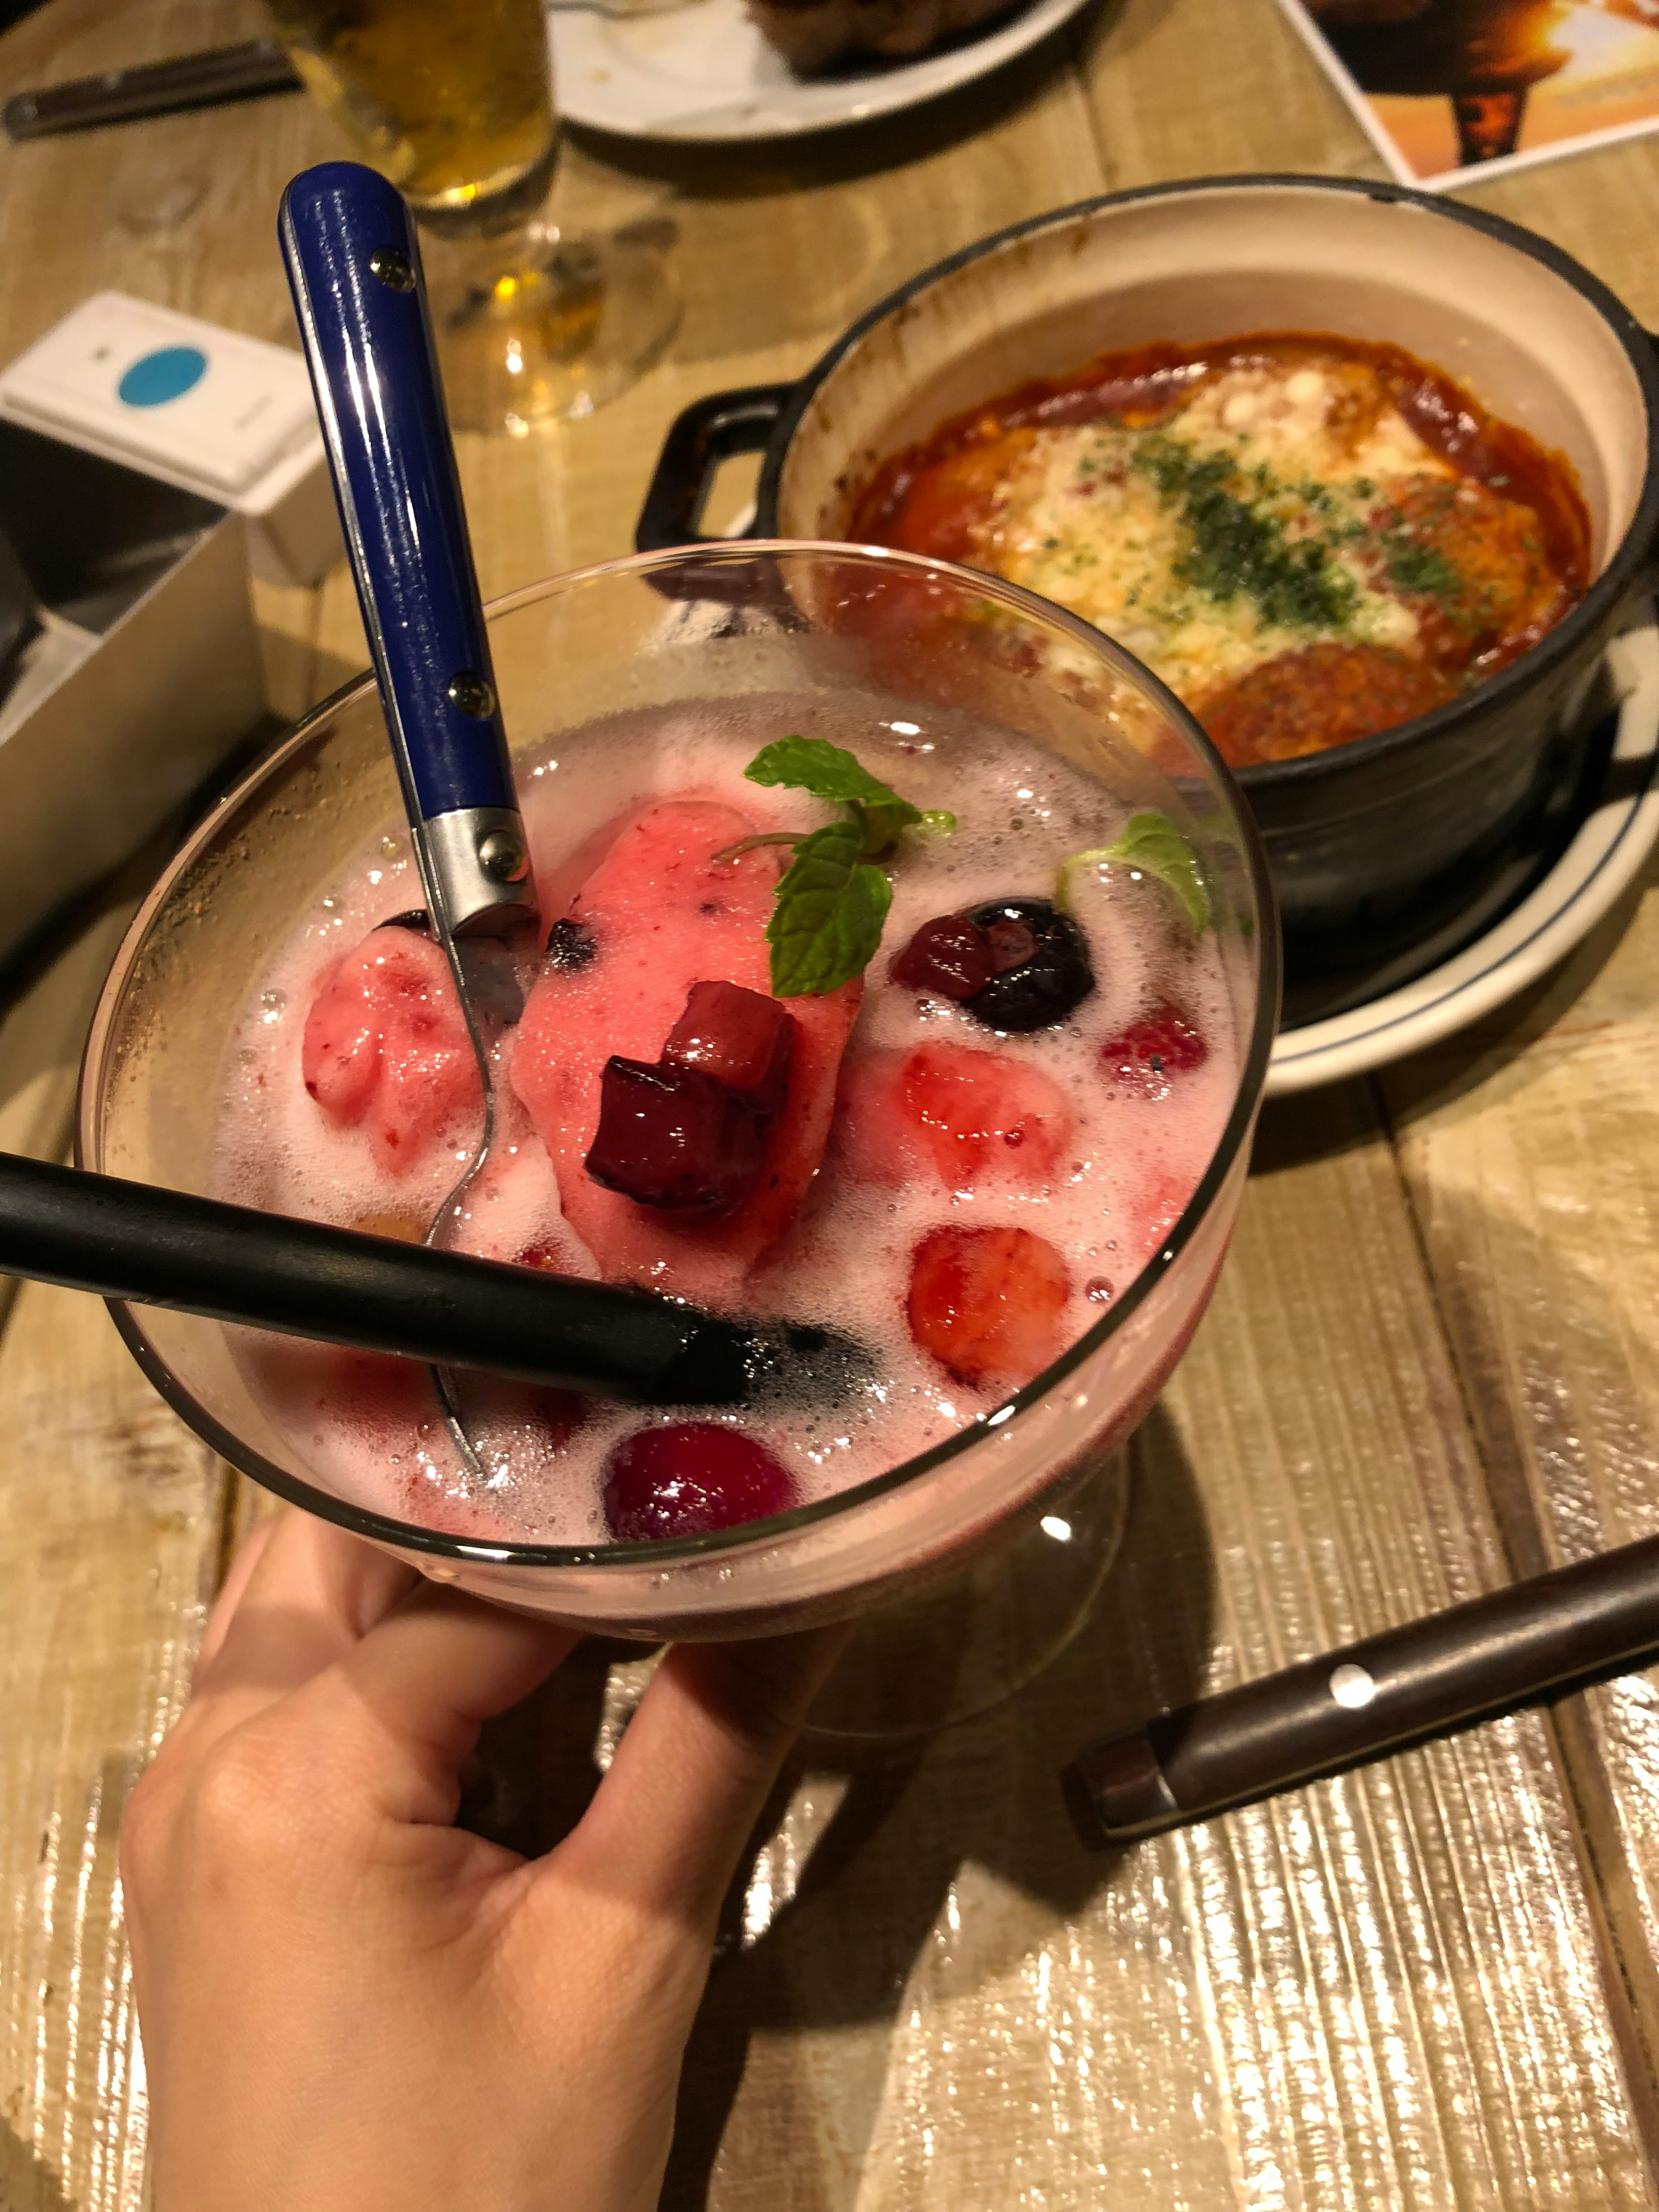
[[1370, 840]]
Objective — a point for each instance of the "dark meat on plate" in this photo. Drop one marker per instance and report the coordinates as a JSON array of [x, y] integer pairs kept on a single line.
[[815, 34]]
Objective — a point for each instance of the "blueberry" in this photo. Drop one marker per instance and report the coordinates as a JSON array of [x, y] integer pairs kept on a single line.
[[570, 944], [1034, 988]]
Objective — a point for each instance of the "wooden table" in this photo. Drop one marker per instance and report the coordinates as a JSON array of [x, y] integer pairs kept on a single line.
[[1430, 1365]]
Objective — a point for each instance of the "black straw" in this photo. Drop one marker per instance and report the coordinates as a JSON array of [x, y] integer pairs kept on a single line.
[[232, 1263]]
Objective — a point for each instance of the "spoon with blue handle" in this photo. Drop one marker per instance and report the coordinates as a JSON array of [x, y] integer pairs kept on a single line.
[[355, 271], [354, 267]]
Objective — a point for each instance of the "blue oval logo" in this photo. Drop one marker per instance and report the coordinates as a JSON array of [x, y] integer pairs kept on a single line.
[[155, 378]]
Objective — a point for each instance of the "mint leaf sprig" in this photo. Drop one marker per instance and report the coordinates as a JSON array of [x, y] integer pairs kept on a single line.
[[1149, 845], [831, 908], [832, 902], [829, 772]]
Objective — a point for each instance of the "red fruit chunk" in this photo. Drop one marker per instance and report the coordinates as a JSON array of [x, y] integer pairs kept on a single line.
[[1146, 1056], [948, 956], [987, 1302], [689, 1479], [662, 916], [741, 1037], [980, 1114], [548, 1257], [676, 1138], [385, 1045]]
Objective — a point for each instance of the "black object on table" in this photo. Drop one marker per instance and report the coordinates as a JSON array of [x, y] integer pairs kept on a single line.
[[233, 1263], [204, 79], [1471, 1662]]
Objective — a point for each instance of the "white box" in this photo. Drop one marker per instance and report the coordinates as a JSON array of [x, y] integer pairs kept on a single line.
[[205, 410], [144, 674]]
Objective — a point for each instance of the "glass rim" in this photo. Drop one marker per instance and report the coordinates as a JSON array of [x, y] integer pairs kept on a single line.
[[384, 1528]]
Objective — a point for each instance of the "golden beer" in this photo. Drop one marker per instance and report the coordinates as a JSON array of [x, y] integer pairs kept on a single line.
[[451, 99]]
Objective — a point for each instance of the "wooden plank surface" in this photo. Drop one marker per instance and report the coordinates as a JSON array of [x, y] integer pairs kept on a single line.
[[1529, 1153], [1382, 1992], [1430, 1358], [109, 1552]]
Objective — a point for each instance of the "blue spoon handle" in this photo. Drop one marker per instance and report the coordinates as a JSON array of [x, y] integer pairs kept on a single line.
[[354, 269]]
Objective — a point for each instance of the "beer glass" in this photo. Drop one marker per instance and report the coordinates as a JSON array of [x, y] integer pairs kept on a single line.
[[454, 105]]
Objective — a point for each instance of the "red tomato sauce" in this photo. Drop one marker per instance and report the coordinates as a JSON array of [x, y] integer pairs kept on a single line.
[[1509, 528]]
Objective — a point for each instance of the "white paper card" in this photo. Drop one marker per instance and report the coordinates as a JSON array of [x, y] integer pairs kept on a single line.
[[165, 389]]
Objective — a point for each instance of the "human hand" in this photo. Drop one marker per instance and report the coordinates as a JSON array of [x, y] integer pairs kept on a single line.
[[348, 2003]]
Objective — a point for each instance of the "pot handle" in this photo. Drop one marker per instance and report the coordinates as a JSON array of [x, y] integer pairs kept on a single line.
[[702, 436]]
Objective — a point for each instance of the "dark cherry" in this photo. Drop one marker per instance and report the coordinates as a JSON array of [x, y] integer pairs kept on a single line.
[[688, 1479], [571, 945], [1146, 1056], [1029, 989], [947, 957], [675, 1138], [742, 1038]]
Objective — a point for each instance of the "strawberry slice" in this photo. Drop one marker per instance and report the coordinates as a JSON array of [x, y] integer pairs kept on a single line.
[[987, 1304], [655, 916], [385, 1046], [973, 1117]]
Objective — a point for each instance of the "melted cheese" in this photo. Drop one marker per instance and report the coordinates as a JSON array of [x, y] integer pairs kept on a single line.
[[1314, 448]]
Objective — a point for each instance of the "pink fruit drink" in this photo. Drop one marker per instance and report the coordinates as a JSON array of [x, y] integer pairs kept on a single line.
[[960, 1151]]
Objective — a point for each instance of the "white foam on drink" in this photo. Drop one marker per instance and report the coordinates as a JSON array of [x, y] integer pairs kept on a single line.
[[1132, 1163]]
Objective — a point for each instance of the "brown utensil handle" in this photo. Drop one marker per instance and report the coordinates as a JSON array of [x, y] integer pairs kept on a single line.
[[157, 88], [1469, 1663]]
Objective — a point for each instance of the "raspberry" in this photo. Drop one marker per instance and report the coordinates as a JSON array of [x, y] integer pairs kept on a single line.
[[987, 1302], [1147, 1055], [689, 1479]]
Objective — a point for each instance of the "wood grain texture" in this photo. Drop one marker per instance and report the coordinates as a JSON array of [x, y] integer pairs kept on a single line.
[[1382, 1992], [1401, 1989], [1529, 1149], [1212, 87], [110, 1515]]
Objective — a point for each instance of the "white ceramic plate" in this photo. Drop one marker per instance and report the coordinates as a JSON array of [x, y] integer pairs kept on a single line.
[[705, 72], [1605, 857]]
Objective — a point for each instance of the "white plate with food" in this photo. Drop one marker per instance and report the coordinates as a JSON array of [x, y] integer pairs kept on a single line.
[[710, 71], [1603, 858]]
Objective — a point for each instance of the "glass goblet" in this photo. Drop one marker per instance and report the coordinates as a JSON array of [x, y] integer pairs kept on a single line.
[[455, 106]]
